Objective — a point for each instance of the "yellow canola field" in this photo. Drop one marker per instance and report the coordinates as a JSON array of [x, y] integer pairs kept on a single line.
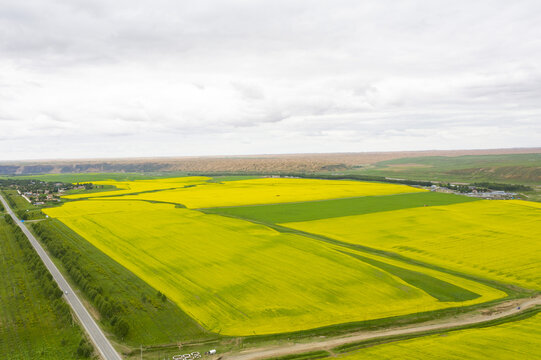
[[270, 190], [128, 187], [510, 341], [487, 293], [491, 238], [240, 278]]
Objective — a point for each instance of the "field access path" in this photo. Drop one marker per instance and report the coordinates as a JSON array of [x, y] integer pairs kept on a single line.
[[499, 311], [102, 344]]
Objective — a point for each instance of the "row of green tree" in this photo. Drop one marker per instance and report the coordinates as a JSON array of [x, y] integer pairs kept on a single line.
[[502, 187], [318, 176], [110, 309], [10, 201], [34, 185], [364, 178], [24, 214], [461, 188], [47, 285]]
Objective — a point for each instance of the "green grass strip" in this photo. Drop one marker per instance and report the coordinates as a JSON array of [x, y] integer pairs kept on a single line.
[[439, 289], [393, 338], [319, 354], [323, 209]]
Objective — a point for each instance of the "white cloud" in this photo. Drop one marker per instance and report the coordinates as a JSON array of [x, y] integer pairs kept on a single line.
[[149, 78]]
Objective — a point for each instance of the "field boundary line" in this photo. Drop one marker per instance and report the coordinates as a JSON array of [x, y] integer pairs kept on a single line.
[[462, 323]]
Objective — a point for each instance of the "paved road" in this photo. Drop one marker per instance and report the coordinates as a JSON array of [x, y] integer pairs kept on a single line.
[[496, 312], [97, 336]]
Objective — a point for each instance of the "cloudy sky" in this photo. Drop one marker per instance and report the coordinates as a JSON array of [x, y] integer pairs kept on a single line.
[[101, 78]]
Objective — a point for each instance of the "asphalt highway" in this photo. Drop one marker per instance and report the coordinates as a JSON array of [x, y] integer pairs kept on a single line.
[[101, 343]]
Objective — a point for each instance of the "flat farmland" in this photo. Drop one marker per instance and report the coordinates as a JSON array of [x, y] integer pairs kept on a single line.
[[324, 209], [239, 278], [496, 239], [268, 191], [130, 187], [242, 257], [509, 341]]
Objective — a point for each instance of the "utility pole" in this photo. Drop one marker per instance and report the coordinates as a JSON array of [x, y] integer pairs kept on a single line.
[[141, 351]]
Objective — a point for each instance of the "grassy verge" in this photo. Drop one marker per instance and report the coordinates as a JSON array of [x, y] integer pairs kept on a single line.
[[320, 354], [387, 339], [371, 325], [23, 209], [35, 321], [17, 202]]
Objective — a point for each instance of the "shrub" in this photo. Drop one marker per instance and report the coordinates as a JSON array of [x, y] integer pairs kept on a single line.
[[84, 349], [121, 328]]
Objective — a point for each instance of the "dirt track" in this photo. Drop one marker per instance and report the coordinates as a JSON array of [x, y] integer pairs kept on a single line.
[[493, 313]]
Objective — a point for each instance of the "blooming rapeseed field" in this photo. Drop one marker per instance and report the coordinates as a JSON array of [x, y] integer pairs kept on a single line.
[[240, 278], [237, 277], [491, 238], [129, 187], [509, 341], [270, 190]]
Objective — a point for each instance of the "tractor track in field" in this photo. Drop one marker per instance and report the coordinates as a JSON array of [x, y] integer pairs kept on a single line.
[[480, 316]]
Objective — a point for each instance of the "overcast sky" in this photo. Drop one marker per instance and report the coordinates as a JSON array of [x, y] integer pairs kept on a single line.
[[102, 78]]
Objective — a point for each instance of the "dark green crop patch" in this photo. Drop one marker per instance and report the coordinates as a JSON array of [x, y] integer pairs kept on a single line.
[[439, 289], [323, 209]]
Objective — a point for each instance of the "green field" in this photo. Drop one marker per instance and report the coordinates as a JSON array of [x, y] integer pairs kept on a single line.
[[511, 168], [30, 325], [315, 210]]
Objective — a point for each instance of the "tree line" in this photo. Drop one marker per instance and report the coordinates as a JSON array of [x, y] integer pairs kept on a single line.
[[23, 214], [502, 187], [48, 286], [70, 257], [375, 178]]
